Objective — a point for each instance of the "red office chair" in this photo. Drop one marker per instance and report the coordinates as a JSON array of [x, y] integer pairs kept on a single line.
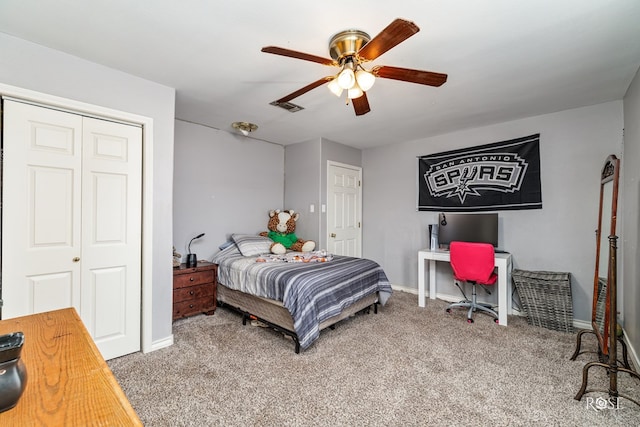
[[473, 263]]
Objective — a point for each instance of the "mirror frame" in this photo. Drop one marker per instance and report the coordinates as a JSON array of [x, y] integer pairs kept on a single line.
[[610, 173]]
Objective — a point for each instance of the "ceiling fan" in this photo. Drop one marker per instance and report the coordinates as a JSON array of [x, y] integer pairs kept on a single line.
[[350, 49]]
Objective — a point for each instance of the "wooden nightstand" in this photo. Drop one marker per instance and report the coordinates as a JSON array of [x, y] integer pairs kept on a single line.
[[194, 289]]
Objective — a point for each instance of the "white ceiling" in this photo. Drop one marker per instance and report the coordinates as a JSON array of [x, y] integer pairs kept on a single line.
[[505, 59]]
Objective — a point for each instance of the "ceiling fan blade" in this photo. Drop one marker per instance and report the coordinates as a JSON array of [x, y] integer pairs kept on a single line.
[[408, 75], [361, 105], [305, 89], [298, 55], [395, 33]]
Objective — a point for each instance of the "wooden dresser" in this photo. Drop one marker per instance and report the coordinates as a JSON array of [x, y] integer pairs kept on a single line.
[[68, 381], [194, 289]]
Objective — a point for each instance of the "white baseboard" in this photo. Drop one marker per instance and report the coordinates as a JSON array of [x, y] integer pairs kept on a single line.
[[440, 296], [444, 297], [405, 289], [579, 324], [633, 353], [163, 343]]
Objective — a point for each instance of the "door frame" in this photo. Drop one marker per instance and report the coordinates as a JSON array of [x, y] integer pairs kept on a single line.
[[146, 256], [327, 198]]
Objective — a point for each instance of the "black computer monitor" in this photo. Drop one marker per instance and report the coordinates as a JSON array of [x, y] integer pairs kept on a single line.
[[471, 227]]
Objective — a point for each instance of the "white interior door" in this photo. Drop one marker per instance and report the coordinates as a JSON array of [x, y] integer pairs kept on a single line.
[[41, 209], [344, 218], [72, 189], [111, 235]]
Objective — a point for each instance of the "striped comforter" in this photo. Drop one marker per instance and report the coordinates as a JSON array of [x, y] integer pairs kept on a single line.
[[312, 292]]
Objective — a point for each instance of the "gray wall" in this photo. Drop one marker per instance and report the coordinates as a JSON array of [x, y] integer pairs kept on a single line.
[[559, 237], [302, 186], [336, 152], [34, 67], [630, 221], [224, 183], [306, 183]]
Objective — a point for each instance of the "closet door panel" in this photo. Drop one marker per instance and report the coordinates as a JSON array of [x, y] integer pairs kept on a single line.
[[50, 291], [112, 242], [71, 219], [41, 209]]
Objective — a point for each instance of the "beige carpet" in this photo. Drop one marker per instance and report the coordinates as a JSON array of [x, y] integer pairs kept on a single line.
[[405, 366]]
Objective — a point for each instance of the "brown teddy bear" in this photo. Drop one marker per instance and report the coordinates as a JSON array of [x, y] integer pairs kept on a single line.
[[282, 227]]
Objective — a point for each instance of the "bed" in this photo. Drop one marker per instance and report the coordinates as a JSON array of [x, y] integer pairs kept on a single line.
[[299, 294]]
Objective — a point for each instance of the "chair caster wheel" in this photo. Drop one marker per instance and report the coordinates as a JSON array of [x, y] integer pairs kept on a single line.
[[469, 320], [448, 310], [497, 321]]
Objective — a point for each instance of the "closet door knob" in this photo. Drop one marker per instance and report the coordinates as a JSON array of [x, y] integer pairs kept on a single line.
[[333, 234], [76, 259]]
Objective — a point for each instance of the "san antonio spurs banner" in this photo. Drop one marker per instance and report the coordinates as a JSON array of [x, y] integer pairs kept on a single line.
[[500, 176]]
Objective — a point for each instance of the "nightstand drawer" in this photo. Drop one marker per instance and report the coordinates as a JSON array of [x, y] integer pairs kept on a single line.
[[193, 292], [187, 308], [194, 278], [194, 289]]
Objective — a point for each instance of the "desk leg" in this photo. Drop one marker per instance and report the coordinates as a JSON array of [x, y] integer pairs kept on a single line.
[[432, 279], [421, 284], [509, 288], [502, 294]]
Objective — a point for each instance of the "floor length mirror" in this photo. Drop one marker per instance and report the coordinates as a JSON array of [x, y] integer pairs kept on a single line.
[[604, 307]]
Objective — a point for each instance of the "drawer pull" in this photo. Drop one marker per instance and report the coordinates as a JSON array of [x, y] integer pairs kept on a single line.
[[191, 293], [190, 305], [191, 279]]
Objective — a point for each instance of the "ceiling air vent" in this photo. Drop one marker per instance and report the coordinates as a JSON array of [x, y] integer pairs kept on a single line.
[[290, 107]]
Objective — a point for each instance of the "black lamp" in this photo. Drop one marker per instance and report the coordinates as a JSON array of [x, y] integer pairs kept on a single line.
[[192, 259]]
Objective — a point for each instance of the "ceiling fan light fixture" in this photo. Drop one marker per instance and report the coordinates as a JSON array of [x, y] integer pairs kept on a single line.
[[244, 128], [350, 49], [355, 92], [365, 79], [346, 78], [335, 88]]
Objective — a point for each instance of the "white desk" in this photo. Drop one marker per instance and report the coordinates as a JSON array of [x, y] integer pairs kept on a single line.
[[503, 262]]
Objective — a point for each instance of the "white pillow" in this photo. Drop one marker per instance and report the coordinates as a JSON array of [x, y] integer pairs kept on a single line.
[[252, 244]]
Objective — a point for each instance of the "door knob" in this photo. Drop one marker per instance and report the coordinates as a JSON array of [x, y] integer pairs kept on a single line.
[[333, 234], [76, 259]]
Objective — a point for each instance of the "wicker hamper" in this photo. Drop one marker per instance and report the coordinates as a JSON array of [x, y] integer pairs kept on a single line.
[[546, 298]]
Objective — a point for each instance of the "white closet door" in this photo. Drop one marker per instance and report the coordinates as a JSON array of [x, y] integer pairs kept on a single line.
[[41, 209], [72, 221], [111, 236]]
